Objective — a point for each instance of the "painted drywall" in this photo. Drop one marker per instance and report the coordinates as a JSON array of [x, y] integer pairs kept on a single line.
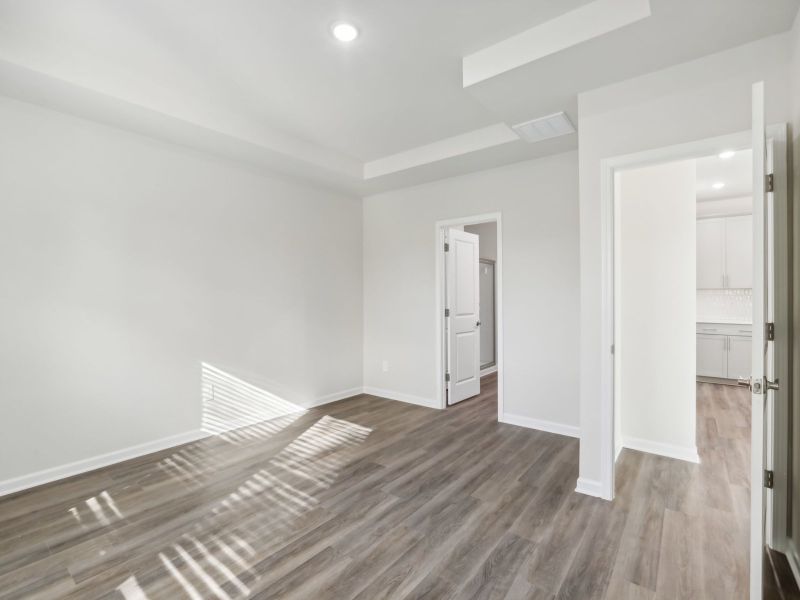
[[695, 100], [538, 202], [655, 243], [128, 263], [488, 239]]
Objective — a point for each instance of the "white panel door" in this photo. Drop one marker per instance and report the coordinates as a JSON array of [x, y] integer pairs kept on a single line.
[[739, 252], [711, 355], [740, 356], [710, 253], [463, 302], [762, 367]]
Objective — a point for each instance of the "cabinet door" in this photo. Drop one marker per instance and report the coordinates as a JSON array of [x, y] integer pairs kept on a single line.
[[739, 252], [740, 356], [711, 355], [710, 253]]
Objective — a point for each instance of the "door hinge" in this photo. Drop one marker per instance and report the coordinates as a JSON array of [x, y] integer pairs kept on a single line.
[[446, 312], [446, 247], [447, 376], [769, 479], [770, 183], [769, 332]]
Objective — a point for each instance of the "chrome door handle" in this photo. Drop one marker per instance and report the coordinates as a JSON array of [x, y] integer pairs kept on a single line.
[[768, 385]]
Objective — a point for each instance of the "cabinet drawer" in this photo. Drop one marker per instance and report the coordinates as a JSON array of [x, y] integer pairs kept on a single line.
[[724, 329]]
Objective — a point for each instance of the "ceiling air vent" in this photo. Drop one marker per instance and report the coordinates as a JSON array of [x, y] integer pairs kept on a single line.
[[544, 128]]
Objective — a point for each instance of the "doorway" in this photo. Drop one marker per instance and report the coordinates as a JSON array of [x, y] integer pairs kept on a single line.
[[770, 318], [468, 257]]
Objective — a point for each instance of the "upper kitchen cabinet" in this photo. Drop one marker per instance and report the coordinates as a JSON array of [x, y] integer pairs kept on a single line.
[[739, 252], [725, 252], [710, 253]]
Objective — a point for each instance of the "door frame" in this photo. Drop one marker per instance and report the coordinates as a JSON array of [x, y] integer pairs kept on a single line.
[[776, 505], [439, 306]]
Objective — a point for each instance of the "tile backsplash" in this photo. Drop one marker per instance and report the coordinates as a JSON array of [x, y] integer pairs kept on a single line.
[[725, 306]]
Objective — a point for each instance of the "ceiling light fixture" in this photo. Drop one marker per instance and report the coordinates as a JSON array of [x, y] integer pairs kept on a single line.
[[344, 32], [727, 154], [718, 185]]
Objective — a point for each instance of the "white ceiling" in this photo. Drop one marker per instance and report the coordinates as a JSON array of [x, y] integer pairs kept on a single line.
[[735, 172], [265, 81]]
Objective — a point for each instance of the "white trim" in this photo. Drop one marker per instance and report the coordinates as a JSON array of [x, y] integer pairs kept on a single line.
[[488, 370], [335, 397], [439, 307], [24, 482], [590, 487], [687, 453], [541, 425], [402, 397], [9, 486]]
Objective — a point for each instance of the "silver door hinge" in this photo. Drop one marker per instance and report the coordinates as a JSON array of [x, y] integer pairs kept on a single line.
[[446, 247], [769, 332], [770, 183], [612, 348], [769, 479], [447, 376], [446, 312]]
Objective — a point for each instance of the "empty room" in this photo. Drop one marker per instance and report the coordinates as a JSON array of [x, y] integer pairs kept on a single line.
[[355, 300]]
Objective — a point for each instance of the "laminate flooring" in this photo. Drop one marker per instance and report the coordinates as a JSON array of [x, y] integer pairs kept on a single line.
[[369, 498]]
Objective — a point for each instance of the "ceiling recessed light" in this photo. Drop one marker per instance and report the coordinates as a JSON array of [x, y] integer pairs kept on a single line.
[[344, 32], [718, 185], [727, 154]]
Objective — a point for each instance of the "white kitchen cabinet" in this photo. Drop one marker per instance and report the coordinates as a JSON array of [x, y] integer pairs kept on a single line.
[[712, 359], [739, 252], [710, 253], [724, 350], [740, 356], [725, 252]]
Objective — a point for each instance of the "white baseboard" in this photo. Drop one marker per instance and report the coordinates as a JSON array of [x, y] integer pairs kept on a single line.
[[794, 559], [392, 395], [541, 425], [590, 487], [687, 453], [335, 397], [489, 370], [9, 486]]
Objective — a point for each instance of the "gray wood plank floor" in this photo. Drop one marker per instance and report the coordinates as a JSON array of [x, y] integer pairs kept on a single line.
[[368, 498]]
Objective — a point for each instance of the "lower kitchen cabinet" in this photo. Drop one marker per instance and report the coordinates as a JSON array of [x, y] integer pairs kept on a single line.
[[724, 351]]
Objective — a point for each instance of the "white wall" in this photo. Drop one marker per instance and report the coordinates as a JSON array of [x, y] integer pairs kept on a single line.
[[656, 326], [699, 99], [538, 201], [128, 262], [488, 239]]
